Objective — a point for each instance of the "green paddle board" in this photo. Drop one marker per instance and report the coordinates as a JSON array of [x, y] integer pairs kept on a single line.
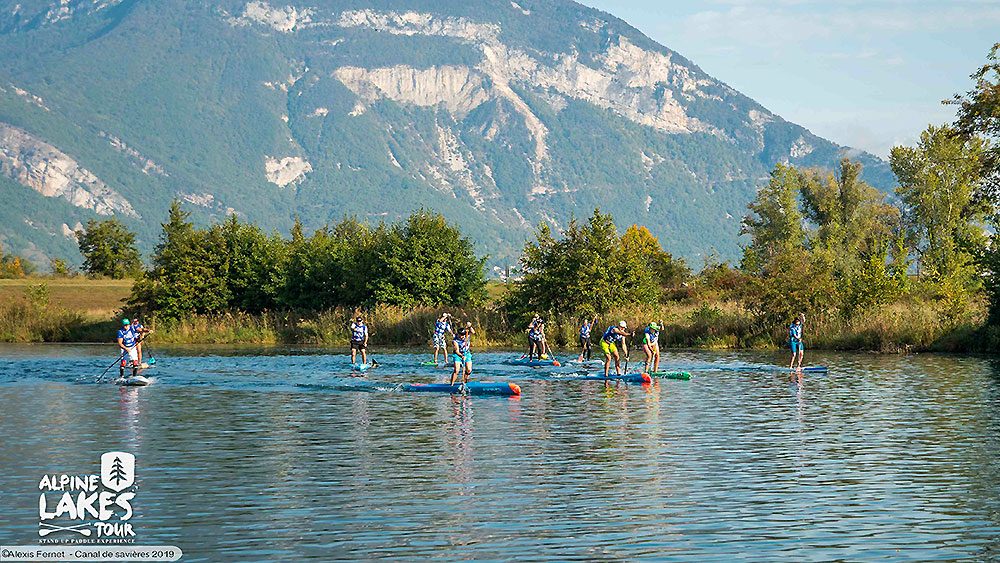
[[671, 375]]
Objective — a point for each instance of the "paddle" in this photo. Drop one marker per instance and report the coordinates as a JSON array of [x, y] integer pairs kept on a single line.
[[101, 377], [152, 360], [627, 350], [552, 354], [142, 334]]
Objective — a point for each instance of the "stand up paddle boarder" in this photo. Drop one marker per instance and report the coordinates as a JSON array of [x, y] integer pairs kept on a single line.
[[536, 338], [613, 336], [651, 347], [463, 353], [531, 344], [795, 341], [359, 340], [128, 342], [441, 326], [585, 330]]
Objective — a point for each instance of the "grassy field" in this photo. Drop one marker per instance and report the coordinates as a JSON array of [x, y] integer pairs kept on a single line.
[[496, 290], [60, 309], [97, 298], [84, 310]]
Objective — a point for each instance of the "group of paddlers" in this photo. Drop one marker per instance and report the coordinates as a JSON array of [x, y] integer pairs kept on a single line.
[[613, 343]]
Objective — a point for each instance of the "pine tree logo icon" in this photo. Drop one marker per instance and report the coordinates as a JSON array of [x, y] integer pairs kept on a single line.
[[117, 471]]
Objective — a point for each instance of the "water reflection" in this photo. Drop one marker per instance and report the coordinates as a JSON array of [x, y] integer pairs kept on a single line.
[[278, 457]]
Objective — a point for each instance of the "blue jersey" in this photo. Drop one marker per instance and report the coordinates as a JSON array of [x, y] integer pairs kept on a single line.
[[585, 330], [612, 337], [535, 332], [463, 344], [795, 332], [652, 336], [441, 327], [359, 331], [128, 336]]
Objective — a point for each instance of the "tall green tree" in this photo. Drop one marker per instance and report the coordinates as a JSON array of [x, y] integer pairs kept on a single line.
[[938, 181], [109, 249], [426, 261], [859, 234], [786, 277], [979, 116], [656, 269], [257, 265], [334, 267], [774, 223], [590, 269], [190, 271]]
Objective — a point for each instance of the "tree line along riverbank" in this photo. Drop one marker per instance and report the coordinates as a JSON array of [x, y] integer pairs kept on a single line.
[[85, 310], [916, 270]]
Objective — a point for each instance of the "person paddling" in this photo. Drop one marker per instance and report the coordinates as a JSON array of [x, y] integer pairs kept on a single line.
[[795, 341], [441, 326], [613, 336], [536, 338], [140, 331], [531, 343], [359, 340], [128, 342], [585, 330], [463, 353], [651, 347]]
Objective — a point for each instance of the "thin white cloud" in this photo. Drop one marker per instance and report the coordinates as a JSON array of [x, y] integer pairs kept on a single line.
[[771, 25]]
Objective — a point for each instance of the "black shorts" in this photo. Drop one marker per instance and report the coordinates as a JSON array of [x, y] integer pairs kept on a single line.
[[358, 345]]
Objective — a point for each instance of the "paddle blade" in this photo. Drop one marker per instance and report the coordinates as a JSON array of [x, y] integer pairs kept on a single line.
[[152, 360], [556, 363]]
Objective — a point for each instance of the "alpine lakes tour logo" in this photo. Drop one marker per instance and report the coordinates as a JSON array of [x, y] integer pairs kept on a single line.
[[89, 508]]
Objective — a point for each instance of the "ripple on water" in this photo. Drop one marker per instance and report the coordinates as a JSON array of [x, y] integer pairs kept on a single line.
[[283, 457]]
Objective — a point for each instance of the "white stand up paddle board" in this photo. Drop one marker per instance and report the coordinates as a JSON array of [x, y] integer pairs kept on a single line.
[[134, 381]]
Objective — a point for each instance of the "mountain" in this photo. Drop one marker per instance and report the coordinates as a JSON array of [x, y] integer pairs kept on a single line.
[[499, 114]]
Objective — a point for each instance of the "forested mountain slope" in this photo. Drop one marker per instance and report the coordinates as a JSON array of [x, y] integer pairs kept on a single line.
[[499, 114]]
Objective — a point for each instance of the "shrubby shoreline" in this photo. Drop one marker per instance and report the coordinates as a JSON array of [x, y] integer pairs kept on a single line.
[[708, 325]]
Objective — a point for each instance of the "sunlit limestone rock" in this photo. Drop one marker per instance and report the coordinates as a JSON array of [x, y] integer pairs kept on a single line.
[[287, 170], [42, 167]]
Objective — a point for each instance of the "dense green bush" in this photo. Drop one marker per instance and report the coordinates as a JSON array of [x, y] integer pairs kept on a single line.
[[590, 270], [109, 249], [236, 267]]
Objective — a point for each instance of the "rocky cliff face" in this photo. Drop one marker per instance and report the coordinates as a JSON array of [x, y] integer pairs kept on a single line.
[[500, 114], [38, 165]]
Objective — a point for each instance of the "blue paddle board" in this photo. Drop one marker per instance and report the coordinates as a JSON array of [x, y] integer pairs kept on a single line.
[[471, 388]]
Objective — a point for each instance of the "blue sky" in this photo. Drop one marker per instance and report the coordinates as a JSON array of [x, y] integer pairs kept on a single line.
[[868, 74]]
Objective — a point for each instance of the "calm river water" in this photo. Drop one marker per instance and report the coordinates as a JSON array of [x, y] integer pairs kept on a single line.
[[276, 455]]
